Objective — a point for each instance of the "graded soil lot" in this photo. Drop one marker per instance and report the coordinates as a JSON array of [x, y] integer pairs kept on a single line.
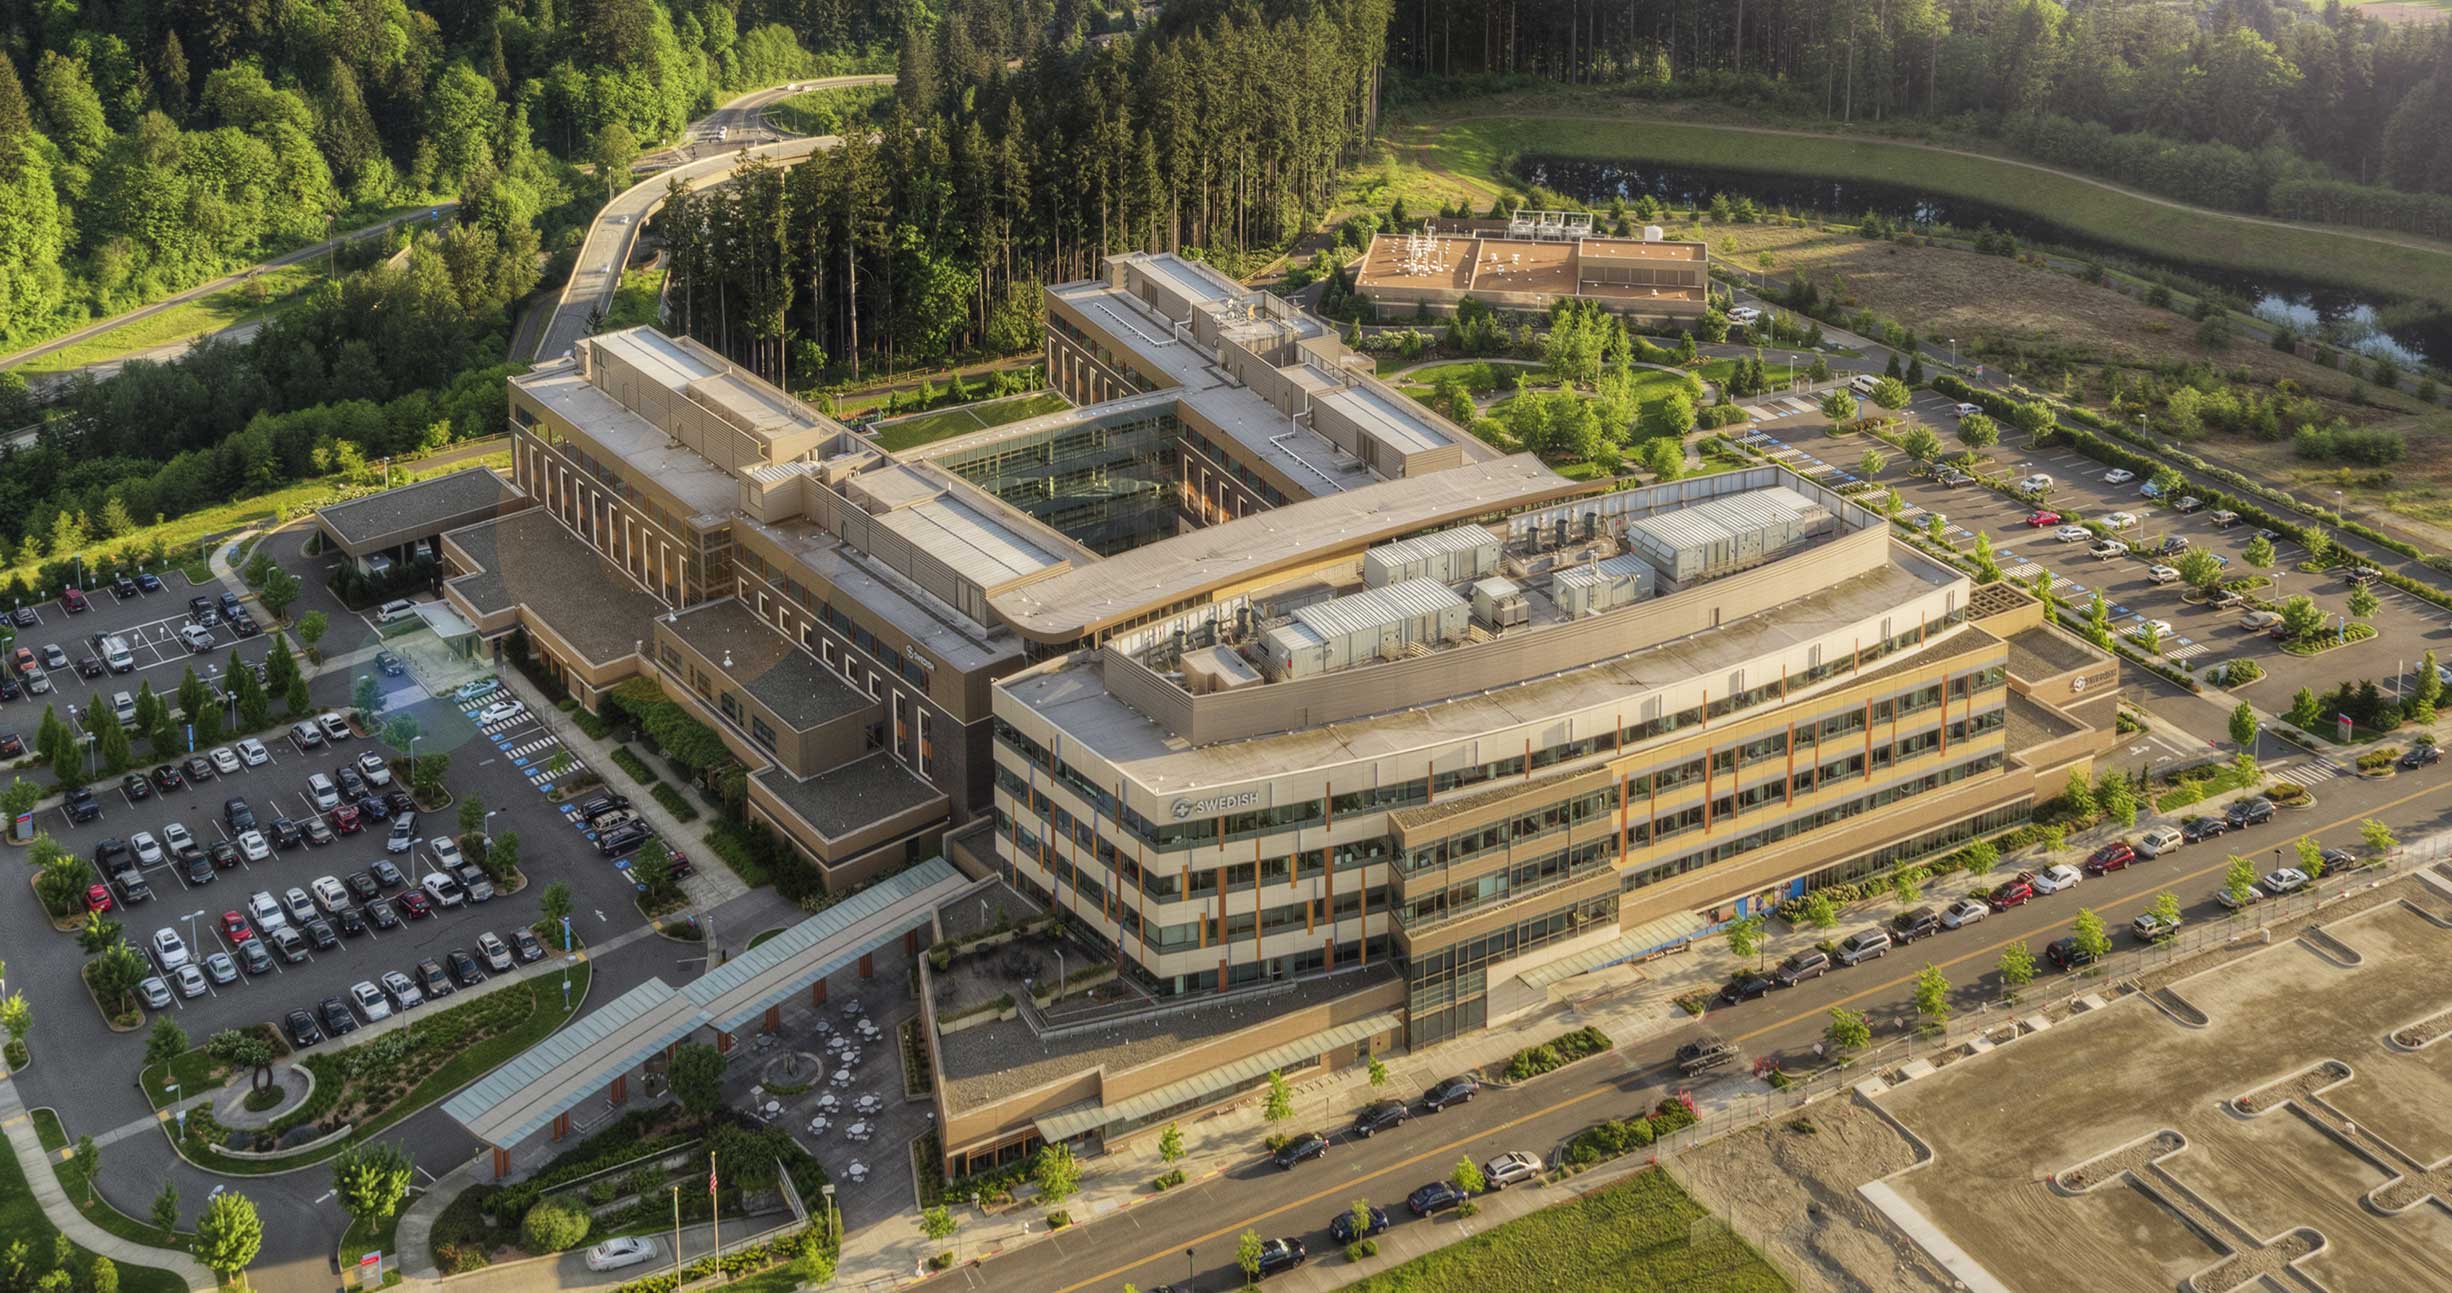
[[2002, 1124]]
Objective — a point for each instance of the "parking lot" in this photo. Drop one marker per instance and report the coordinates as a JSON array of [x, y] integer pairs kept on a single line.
[[2197, 636], [150, 625], [506, 769]]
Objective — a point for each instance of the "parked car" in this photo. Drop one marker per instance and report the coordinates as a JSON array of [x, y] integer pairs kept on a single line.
[[252, 753], [2053, 879], [1342, 1228], [1432, 1199], [221, 969], [2107, 549], [2197, 830], [155, 991], [525, 946], [2150, 928], [2289, 879], [1964, 912], [1915, 923], [2036, 484], [443, 891], [1861, 946], [401, 989], [169, 950], [432, 981], [306, 735], [2068, 955], [1301, 1149], [2155, 841], [81, 805], [2042, 517], [2248, 897], [2420, 756], [1744, 986], [613, 1254], [1280, 1255], [2073, 534], [1511, 1168], [2015, 892], [374, 769], [386, 875], [2114, 856], [135, 787], [1379, 1116], [335, 728], [1808, 963], [1459, 1089], [289, 943], [382, 915], [316, 831], [2249, 812], [495, 953], [301, 1028], [370, 1001], [2118, 476], [336, 1017]]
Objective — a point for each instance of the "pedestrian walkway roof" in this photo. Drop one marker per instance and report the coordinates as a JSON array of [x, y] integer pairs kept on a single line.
[[564, 1071], [1066, 1123]]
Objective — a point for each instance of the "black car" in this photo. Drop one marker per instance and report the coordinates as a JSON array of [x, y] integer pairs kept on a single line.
[[1380, 1115], [431, 978], [166, 779], [389, 664], [224, 855], [401, 802], [337, 1019], [1744, 986], [621, 841], [375, 807], [2068, 955], [525, 947], [89, 667], [386, 875], [361, 886], [285, 833], [244, 625], [2421, 755], [464, 968], [1434, 1198], [81, 806], [1915, 923], [149, 581], [380, 912], [2197, 830], [199, 608], [199, 769], [316, 831], [2250, 812], [135, 787], [25, 618], [1456, 1090], [301, 1028], [602, 806], [195, 866], [1342, 1229], [253, 958], [353, 786], [110, 855], [9, 690], [321, 935], [238, 815], [352, 924], [229, 602], [1301, 1149], [1279, 1255], [123, 586]]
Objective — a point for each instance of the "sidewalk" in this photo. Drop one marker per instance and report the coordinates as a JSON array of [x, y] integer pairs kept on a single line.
[[46, 1186]]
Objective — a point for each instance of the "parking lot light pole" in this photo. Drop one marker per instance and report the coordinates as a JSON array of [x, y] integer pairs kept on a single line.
[[178, 1111], [413, 757]]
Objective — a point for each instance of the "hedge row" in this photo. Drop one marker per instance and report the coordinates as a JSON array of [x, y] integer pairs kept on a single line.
[[1557, 1053], [1606, 1140]]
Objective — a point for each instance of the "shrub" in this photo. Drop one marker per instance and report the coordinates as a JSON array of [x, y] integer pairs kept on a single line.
[[1556, 1053], [637, 767], [1173, 1178], [681, 809], [552, 1226], [1360, 1249], [1059, 1219]]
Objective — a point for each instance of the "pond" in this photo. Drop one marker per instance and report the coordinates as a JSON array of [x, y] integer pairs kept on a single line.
[[2409, 332]]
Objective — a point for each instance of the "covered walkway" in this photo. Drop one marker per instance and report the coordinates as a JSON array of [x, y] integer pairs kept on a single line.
[[598, 1053]]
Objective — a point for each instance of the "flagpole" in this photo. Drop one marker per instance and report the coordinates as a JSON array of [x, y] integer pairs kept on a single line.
[[676, 1239], [715, 1227]]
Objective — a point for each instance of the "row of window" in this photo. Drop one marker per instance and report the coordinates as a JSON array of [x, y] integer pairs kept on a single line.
[[1733, 845], [1806, 780], [1520, 880]]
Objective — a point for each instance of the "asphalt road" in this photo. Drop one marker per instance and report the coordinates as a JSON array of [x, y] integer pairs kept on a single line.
[[1147, 1246], [596, 275]]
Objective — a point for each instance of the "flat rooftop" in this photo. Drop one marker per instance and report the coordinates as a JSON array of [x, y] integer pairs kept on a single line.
[[528, 559], [1072, 694], [854, 795], [1069, 606], [2040, 652], [764, 663], [955, 639], [709, 381], [979, 547], [706, 492], [427, 507], [1393, 424], [1489, 263]]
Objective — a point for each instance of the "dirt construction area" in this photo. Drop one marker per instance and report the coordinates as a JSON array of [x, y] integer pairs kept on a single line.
[[2293, 1140]]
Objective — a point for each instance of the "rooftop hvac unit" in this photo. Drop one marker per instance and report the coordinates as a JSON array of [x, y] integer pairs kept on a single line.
[[1212, 669], [1654, 233], [1499, 603], [1449, 556], [1601, 586]]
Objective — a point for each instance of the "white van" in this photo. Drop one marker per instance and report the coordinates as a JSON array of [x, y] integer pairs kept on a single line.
[[1864, 383], [395, 610], [115, 653]]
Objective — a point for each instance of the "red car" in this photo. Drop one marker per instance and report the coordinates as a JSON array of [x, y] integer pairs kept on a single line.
[[97, 898], [2014, 892], [25, 661], [345, 819], [2114, 856], [235, 927], [2041, 519], [73, 599], [414, 905]]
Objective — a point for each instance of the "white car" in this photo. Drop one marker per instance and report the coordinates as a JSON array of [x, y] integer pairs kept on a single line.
[[169, 949], [1966, 410], [2252, 897], [2120, 520], [2073, 534], [478, 690], [175, 837], [402, 988], [374, 769], [2161, 574], [501, 711], [301, 908], [147, 850], [2035, 484], [443, 890], [1511, 1167], [265, 911], [2150, 628], [335, 728], [329, 894], [613, 1254], [253, 847], [252, 752], [2118, 476], [1744, 314], [2055, 879], [322, 793], [446, 852], [494, 952], [155, 992], [2289, 879], [2108, 549], [225, 760], [1964, 912], [370, 1001]]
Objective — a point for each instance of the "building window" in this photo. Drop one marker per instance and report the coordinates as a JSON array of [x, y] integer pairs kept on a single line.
[[927, 746], [761, 733]]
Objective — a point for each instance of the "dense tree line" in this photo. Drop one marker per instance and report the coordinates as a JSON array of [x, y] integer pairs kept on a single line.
[[1017, 153], [145, 146], [2260, 105]]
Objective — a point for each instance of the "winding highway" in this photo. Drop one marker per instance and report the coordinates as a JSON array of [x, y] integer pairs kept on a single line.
[[704, 161]]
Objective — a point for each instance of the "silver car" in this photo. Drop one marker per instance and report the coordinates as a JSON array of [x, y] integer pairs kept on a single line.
[[155, 992]]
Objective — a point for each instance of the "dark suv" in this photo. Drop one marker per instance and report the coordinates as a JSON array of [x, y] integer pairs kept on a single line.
[[1436, 1197], [2197, 830], [1744, 986], [1456, 1090], [1920, 922], [240, 817], [1380, 1115], [81, 806], [336, 1017], [2068, 955], [1812, 963], [1307, 1146], [2249, 812]]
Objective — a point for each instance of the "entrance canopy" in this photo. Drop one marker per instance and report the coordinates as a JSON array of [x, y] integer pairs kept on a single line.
[[562, 1072]]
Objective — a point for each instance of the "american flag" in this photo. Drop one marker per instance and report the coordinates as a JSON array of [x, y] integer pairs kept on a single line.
[[710, 1178]]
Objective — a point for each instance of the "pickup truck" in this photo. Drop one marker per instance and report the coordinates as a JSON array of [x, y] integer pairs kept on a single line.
[[1705, 1053]]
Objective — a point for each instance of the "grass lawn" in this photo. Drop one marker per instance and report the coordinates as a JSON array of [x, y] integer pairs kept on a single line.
[[634, 302], [546, 1014], [357, 1240], [21, 1218], [1633, 1237], [963, 419], [1457, 152], [96, 1208], [270, 293], [194, 1071]]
